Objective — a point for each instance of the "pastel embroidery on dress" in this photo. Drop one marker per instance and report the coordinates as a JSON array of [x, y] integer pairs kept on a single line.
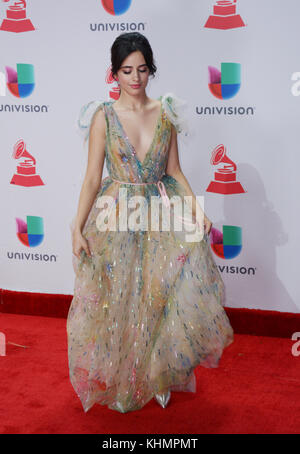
[[148, 306]]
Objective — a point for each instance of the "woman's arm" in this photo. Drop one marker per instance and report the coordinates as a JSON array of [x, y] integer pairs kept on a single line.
[[173, 169], [92, 179]]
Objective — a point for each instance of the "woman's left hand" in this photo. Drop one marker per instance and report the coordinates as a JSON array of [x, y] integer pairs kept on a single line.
[[207, 225]]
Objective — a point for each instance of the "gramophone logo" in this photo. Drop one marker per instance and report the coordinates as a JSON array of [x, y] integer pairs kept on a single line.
[[224, 16], [226, 83], [225, 176], [20, 82], [114, 92], [226, 245], [16, 20], [26, 171], [31, 232], [116, 7]]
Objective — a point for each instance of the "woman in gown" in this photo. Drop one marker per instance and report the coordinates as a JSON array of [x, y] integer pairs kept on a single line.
[[148, 304]]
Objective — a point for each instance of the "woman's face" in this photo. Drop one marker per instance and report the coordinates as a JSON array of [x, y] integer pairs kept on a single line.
[[133, 74]]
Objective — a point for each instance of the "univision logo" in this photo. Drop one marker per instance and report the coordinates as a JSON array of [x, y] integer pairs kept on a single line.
[[30, 233], [227, 245], [224, 84], [20, 82], [117, 8]]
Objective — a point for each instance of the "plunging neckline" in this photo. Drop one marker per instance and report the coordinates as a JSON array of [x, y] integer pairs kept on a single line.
[[154, 134]]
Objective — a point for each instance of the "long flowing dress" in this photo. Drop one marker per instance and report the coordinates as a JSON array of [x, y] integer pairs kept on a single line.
[[148, 305]]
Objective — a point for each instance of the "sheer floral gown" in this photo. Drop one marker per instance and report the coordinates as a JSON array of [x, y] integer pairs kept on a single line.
[[148, 305]]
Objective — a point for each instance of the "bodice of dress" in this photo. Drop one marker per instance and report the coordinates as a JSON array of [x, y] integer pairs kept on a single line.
[[122, 161]]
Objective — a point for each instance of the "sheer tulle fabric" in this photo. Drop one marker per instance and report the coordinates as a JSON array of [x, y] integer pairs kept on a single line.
[[148, 305]]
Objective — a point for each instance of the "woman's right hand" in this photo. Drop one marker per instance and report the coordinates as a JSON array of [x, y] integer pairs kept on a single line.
[[79, 243]]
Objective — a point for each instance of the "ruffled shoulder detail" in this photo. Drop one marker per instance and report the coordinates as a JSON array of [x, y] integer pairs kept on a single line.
[[86, 116], [175, 111]]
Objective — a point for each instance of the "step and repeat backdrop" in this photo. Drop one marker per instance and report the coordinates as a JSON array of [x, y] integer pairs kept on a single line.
[[237, 66]]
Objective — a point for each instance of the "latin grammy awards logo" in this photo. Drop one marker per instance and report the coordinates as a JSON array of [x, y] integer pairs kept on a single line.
[[16, 20], [225, 177], [114, 92], [224, 16], [26, 171]]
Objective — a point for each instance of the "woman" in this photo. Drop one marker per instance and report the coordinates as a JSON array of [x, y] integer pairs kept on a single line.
[[148, 304]]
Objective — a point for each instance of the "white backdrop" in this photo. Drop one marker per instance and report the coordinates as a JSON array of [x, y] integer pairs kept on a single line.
[[69, 49]]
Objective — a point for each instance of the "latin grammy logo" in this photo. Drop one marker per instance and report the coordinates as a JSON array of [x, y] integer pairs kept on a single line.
[[225, 177], [114, 92], [16, 20], [224, 16], [26, 171]]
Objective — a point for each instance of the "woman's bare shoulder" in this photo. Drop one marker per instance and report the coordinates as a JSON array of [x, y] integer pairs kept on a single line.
[[98, 119], [155, 103]]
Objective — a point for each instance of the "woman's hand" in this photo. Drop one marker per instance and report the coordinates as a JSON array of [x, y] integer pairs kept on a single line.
[[207, 225], [79, 243]]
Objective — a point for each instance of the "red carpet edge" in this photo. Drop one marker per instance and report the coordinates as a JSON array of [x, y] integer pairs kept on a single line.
[[243, 320]]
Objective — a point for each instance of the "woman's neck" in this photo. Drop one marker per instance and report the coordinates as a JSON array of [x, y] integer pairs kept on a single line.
[[134, 103]]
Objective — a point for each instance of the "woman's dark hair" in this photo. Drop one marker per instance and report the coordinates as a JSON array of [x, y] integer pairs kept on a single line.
[[125, 44]]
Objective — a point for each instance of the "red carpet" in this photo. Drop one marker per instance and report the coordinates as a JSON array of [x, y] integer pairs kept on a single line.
[[243, 321], [255, 389]]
